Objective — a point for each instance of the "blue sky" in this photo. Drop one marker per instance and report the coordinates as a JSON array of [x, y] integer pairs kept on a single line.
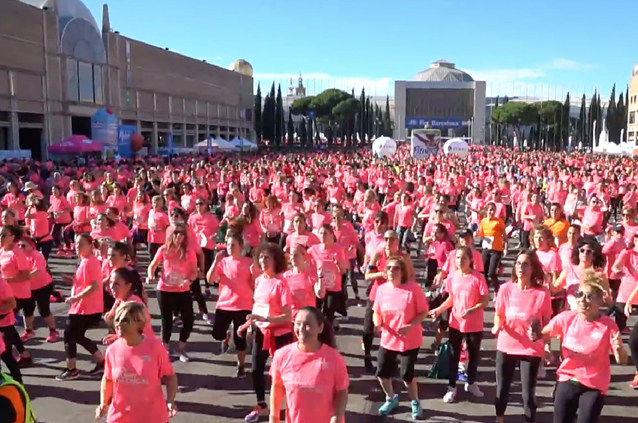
[[542, 48]]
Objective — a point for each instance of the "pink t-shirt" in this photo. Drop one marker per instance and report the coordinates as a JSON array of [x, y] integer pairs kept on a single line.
[[565, 252], [39, 226], [533, 210], [137, 374], [593, 218], [301, 287], [11, 263], [58, 204], [404, 215], [176, 269], [521, 307], [585, 348], [326, 267], [6, 292], [89, 270], [450, 264], [466, 291], [43, 278], [628, 258], [550, 260], [272, 295], [398, 306], [307, 240], [158, 223], [205, 227], [235, 284], [311, 381]]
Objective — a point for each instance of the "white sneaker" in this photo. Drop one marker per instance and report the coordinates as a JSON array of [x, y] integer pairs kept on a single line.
[[184, 358], [208, 319], [542, 373], [450, 395], [474, 390]]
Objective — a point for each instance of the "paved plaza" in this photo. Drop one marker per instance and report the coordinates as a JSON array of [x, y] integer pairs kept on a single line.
[[210, 392]]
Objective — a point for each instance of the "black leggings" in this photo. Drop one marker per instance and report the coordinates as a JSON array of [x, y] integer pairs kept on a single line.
[[525, 243], [171, 303], [368, 329], [45, 248], [60, 236], [473, 340], [572, 398], [491, 262], [633, 345], [196, 291], [350, 276], [10, 337], [259, 359], [209, 257], [505, 368], [42, 298], [75, 333]]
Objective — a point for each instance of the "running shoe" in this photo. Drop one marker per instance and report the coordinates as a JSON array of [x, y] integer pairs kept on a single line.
[[98, 369], [417, 410], [241, 371], [53, 336], [27, 335], [68, 374], [260, 410], [19, 320], [473, 389], [209, 319], [450, 395], [183, 357], [389, 405]]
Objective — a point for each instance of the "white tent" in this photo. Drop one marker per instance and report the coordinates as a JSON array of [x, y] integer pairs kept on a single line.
[[243, 144], [216, 144]]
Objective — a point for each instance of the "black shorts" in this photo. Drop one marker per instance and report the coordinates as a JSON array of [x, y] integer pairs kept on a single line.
[[387, 364], [24, 304], [223, 319], [42, 298]]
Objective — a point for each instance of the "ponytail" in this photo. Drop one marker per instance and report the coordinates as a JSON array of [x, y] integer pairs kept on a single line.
[[131, 277]]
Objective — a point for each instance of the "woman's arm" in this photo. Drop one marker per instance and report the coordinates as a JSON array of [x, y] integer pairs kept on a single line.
[[558, 283], [171, 388], [485, 299], [9, 304], [341, 400], [284, 317], [93, 286], [277, 394]]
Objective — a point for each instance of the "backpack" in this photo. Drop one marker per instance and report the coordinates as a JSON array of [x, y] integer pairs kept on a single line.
[[441, 367]]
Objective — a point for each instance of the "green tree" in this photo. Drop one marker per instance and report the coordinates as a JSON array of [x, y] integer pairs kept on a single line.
[[362, 117], [612, 117], [514, 115], [550, 113], [290, 129], [591, 120], [279, 117], [565, 121], [257, 113], [369, 121], [494, 126], [268, 116], [303, 137], [302, 106], [387, 119], [622, 117], [582, 120]]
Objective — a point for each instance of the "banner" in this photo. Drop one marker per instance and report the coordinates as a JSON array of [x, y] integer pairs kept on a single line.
[[104, 128], [425, 142], [436, 123], [124, 133]]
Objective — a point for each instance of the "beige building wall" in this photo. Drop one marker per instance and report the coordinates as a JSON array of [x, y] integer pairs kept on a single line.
[[157, 90], [632, 108]]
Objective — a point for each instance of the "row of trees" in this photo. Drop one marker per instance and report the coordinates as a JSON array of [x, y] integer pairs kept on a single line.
[[333, 112], [548, 124]]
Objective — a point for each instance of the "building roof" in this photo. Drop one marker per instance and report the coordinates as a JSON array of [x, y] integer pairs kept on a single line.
[[67, 10], [443, 71]]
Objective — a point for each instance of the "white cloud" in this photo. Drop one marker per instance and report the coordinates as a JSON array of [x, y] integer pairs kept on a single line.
[[519, 82]]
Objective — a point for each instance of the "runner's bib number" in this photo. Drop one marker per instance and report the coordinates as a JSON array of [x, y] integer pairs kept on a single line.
[[488, 242], [261, 310]]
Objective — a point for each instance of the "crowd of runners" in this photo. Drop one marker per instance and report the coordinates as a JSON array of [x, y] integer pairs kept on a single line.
[[281, 244]]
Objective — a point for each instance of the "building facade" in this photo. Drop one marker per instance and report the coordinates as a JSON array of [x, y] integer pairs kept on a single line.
[[58, 68], [443, 97]]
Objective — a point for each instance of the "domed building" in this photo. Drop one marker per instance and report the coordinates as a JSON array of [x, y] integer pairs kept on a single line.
[[442, 97], [62, 74]]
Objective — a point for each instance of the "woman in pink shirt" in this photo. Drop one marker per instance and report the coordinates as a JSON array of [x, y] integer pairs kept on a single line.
[[234, 274], [270, 319], [271, 220], [81, 216], [588, 337], [60, 211], [251, 228], [331, 263], [592, 219], [158, 223], [118, 201], [205, 226], [97, 204], [41, 291], [141, 207], [531, 215], [39, 225], [104, 228], [8, 333], [565, 251], [87, 306], [302, 280], [468, 296], [126, 285], [301, 235], [543, 241], [586, 255], [626, 265], [348, 238], [399, 309], [523, 308], [310, 374], [14, 200], [179, 269], [405, 219], [136, 366]]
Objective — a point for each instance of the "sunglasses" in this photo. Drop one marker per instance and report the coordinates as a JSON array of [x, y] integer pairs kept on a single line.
[[586, 251], [587, 296], [393, 267]]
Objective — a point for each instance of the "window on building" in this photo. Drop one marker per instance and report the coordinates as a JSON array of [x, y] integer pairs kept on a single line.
[[85, 82], [72, 68], [632, 117], [97, 84]]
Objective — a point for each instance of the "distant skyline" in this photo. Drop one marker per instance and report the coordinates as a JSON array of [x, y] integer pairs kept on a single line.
[[542, 49]]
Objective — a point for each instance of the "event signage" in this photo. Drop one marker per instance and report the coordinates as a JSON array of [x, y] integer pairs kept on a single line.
[[124, 133], [438, 123], [104, 128], [425, 142]]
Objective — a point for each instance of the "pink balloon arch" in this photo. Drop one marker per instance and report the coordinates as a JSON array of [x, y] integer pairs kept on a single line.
[[76, 144]]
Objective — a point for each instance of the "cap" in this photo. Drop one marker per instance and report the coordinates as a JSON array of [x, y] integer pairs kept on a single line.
[[618, 228], [391, 234], [29, 186]]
